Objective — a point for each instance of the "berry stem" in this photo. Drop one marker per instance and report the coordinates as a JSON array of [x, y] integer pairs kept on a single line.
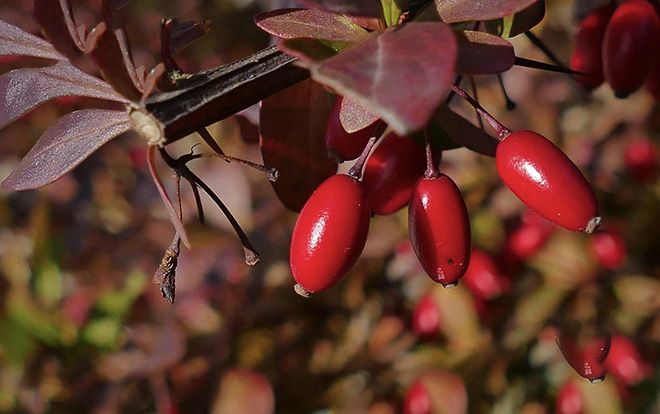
[[501, 130], [510, 104], [473, 85], [356, 169], [431, 171], [543, 48]]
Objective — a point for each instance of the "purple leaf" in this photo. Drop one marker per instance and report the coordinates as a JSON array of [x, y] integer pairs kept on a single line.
[[310, 23], [481, 53], [110, 51], [21, 90], [15, 41], [292, 132], [465, 133], [355, 117], [401, 83], [513, 25], [308, 51], [57, 23], [454, 11], [65, 145], [358, 7]]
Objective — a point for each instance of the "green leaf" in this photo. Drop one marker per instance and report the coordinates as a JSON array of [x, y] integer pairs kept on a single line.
[[392, 10], [119, 303], [48, 283], [102, 332]]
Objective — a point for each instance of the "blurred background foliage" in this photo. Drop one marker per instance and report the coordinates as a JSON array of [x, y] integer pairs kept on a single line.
[[82, 329]]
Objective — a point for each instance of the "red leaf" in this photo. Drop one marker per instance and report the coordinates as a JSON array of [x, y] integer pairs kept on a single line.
[[454, 11], [110, 51], [481, 53], [292, 130], [310, 23], [520, 22], [56, 20], [357, 7], [401, 83], [65, 145], [21, 90], [308, 51], [15, 41], [355, 117]]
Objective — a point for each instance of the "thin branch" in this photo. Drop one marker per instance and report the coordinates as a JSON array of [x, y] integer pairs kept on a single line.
[[543, 48], [473, 85], [534, 64], [501, 130], [510, 104]]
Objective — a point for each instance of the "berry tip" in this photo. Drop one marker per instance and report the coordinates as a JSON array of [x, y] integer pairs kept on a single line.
[[593, 224], [302, 291]]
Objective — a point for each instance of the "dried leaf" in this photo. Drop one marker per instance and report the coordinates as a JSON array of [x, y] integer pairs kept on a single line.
[[454, 11], [296, 149], [481, 53], [15, 41], [310, 23], [65, 145], [21, 90], [402, 84]]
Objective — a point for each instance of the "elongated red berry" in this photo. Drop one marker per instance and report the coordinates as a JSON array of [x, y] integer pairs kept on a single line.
[[608, 248], [436, 392], [628, 46], [391, 172], [528, 238], [587, 355], [626, 363], [587, 56], [440, 229], [547, 181], [329, 234], [641, 159], [483, 276], [426, 317], [569, 399], [342, 145]]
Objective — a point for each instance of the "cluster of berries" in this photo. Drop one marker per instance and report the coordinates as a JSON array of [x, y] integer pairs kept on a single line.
[[332, 228], [621, 45]]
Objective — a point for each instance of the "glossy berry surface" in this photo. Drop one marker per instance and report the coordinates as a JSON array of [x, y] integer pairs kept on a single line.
[[330, 233], [547, 181], [391, 172], [342, 145], [440, 229], [569, 399], [641, 160], [586, 356], [626, 363], [628, 50], [608, 248], [587, 56], [417, 400], [426, 317], [483, 277]]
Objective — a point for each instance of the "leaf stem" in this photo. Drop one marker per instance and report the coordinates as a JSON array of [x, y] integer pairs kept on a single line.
[[501, 130]]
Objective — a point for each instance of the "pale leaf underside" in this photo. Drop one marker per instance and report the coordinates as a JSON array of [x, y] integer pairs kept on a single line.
[[21, 90], [310, 23], [16, 41], [65, 145]]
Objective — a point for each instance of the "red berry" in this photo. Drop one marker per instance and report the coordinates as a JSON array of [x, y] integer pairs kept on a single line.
[[628, 47], [625, 362], [608, 248], [342, 145], [547, 181], [417, 400], [391, 172], [587, 56], [440, 229], [426, 317], [329, 234], [528, 238], [483, 277], [569, 399], [586, 355], [641, 160]]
